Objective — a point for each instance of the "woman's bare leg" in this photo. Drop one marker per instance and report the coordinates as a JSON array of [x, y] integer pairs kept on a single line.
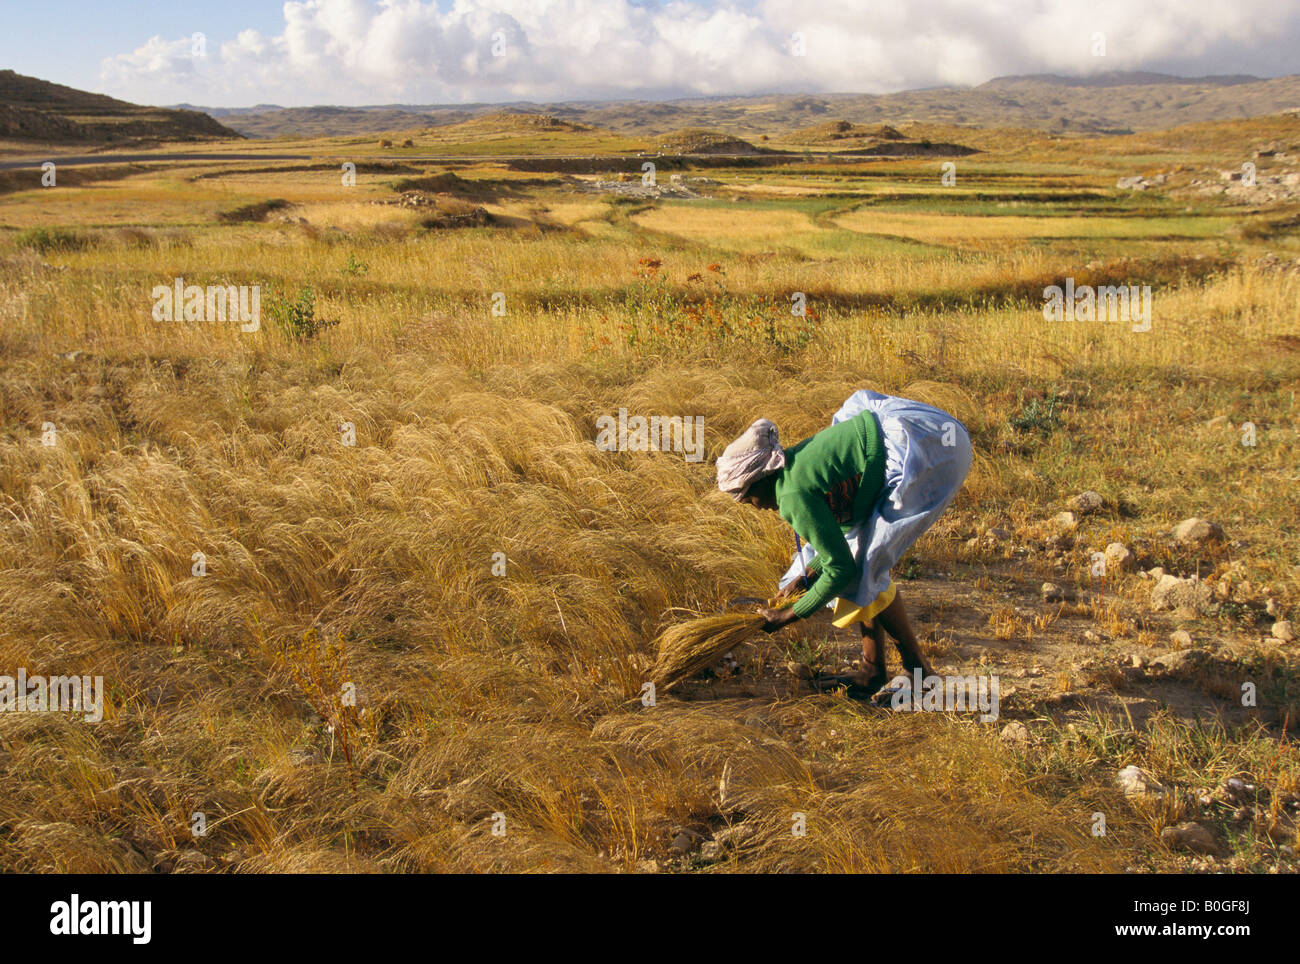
[[873, 656], [894, 618]]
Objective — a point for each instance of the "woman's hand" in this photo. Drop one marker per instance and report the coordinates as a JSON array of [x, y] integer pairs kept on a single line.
[[795, 587], [777, 619]]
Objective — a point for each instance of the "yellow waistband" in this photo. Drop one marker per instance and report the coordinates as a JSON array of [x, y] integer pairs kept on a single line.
[[847, 613]]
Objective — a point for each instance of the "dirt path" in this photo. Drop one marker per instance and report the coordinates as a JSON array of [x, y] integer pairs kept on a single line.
[[1065, 661]]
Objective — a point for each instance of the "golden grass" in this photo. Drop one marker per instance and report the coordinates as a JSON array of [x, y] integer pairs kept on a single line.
[[689, 647], [480, 693], [950, 228]]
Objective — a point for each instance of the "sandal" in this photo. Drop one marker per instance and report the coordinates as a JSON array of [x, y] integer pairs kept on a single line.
[[852, 688]]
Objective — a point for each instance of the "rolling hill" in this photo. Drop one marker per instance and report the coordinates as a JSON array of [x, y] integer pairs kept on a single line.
[[1101, 103], [40, 111]]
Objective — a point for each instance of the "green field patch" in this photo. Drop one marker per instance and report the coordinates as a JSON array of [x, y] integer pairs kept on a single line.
[[930, 226]]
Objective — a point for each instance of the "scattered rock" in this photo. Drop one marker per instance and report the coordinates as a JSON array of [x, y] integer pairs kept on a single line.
[[1066, 520], [736, 836], [1054, 593], [411, 199], [1196, 530], [1273, 264], [1119, 558], [684, 842], [711, 851], [1240, 790], [1137, 182], [1015, 733], [1135, 782], [1190, 836], [1180, 661], [1180, 595], [1180, 639], [1282, 630], [677, 187], [1086, 502]]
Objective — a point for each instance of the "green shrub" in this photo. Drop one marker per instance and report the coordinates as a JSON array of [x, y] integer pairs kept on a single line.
[[45, 240], [297, 317], [1036, 416], [353, 268]]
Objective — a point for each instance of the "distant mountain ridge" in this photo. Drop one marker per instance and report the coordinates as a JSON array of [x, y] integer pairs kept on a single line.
[[38, 110], [1098, 103], [1122, 78]]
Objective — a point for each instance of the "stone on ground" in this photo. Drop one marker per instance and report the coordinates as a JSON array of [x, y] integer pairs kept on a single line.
[[1190, 836], [1015, 732], [1086, 502], [1181, 595], [1119, 558], [1136, 782], [1196, 530]]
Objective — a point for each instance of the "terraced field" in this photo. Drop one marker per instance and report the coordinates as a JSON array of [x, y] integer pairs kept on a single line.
[[393, 485]]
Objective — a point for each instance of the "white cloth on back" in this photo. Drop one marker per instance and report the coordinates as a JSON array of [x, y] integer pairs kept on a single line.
[[927, 456]]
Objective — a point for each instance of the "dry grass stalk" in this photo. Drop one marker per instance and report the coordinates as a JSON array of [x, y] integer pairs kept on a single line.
[[689, 647]]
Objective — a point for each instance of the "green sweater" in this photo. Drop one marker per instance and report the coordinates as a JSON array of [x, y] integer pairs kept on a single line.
[[830, 483]]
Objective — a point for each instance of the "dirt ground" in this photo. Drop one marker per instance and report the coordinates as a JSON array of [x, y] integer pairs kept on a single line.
[[1066, 671]]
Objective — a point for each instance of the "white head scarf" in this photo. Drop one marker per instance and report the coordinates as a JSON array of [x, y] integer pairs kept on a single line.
[[753, 456]]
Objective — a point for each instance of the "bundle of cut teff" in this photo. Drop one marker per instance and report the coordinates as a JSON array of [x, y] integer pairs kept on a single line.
[[697, 644]]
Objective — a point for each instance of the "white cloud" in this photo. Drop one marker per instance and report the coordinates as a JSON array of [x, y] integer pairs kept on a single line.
[[365, 52]]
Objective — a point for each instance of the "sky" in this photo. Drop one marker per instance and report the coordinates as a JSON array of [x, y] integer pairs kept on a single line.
[[238, 53]]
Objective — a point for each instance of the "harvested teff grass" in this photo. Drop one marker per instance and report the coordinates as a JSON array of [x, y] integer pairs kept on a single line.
[[689, 647]]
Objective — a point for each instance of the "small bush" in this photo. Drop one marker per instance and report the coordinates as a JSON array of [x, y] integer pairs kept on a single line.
[[1036, 416], [297, 318], [45, 240], [353, 268]]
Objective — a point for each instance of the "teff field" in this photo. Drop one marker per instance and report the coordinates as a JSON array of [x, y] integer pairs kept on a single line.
[[365, 593]]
